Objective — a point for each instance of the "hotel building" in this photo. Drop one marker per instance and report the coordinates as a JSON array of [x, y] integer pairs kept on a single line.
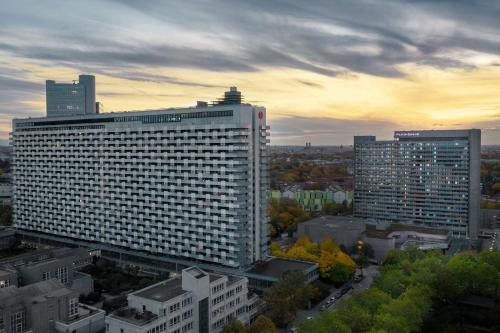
[[186, 183], [425, 178]]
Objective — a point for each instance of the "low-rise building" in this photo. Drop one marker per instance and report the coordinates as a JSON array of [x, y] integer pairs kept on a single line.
[[346, 230], [382, 236], [195, 301], [41, 265], [267, 272], [46, 307]]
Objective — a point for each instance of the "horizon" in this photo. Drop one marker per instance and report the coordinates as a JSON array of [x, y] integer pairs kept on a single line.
[[325, 73]]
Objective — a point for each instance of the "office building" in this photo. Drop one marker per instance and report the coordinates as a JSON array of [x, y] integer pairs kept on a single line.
[[423, 178], [186, 184], [68, 99], [46, 307], [194, 301], [41, 265]]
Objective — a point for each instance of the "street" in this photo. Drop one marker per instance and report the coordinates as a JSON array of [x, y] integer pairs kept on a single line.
[[369, 273]]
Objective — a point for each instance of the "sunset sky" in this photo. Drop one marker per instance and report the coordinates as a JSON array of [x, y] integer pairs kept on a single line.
[[325, 70]]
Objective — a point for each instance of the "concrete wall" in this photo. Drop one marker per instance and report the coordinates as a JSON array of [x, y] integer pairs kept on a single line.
[[83, 283]]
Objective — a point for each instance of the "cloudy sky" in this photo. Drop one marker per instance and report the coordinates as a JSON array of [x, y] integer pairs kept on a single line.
[[325, 70]]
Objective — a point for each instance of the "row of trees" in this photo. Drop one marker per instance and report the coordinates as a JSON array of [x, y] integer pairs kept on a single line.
[[334, 265], [410, 284]]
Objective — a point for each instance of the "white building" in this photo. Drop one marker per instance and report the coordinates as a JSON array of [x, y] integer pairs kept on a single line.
[[186, 184], [196, 301]]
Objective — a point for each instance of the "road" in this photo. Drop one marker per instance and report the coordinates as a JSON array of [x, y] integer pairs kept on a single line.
[[370, 272]]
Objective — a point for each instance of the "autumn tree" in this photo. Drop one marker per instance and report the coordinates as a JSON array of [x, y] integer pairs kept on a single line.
[[262, 324], [233, 325]]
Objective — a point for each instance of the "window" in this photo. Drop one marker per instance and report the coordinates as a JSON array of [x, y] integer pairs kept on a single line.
[[174, 321], [187, 301], [62, 274], [187, 314], [187, 327], [18, 322], [73, 307], [45, 276], [174, 307], [217, 288]]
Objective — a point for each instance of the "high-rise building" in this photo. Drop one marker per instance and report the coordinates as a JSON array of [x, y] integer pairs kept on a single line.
[[66, 99], [186, 184], [427, 178]]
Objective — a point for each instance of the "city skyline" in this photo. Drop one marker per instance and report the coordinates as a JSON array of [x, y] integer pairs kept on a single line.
[[324, 72]]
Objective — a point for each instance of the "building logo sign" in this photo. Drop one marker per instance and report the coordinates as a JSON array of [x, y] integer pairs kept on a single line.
[[406, 134]]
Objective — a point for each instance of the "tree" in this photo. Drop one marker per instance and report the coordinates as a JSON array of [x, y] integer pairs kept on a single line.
[[262, 324], [233, 325], [327, 322], [286, 296]]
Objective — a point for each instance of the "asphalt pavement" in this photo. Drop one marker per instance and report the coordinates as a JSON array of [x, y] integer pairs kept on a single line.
[[369, 273]]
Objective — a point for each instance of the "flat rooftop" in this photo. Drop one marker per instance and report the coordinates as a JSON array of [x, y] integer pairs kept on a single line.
[[134, 317], [276, 267], [372, 231], [337, 222], [162, 291]]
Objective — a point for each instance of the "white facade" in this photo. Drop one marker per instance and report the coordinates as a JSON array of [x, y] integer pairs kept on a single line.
[[194, 302], [185, 183]]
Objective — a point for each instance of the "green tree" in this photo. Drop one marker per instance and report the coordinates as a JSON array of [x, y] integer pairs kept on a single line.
[[327, 322], [233, 325], [288, 295], [262, 324]]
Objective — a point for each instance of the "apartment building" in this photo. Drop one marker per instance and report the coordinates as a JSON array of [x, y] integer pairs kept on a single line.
[[184, 184], [423, 178], [195, 301]]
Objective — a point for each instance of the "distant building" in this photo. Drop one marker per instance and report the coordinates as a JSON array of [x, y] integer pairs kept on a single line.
[[346, 230], [195, 301], [69, 99], [42, 265], [46, 307], [381, 236], [5, 190], [314, 201], [99, 107], [423, 178], [384, 237]]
